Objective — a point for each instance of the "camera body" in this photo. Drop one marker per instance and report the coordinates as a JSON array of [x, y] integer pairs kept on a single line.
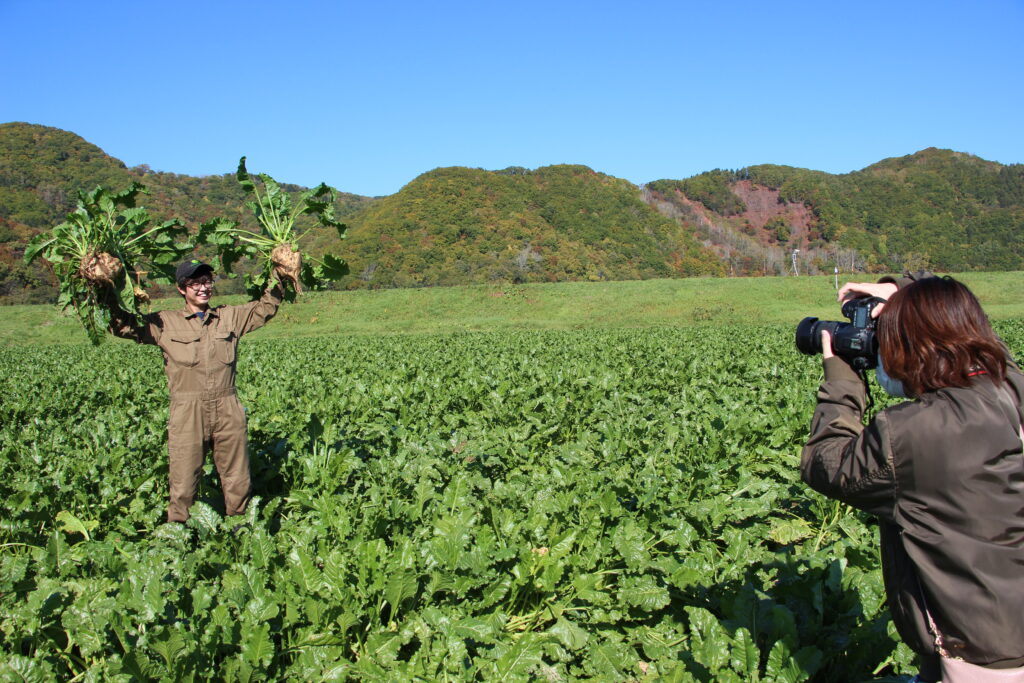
[[855, 341]]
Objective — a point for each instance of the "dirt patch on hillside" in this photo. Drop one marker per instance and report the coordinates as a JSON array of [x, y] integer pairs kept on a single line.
[[763, 204], [759, 241]]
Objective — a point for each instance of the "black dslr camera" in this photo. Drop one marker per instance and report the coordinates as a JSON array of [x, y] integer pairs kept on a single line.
[[855, 341]]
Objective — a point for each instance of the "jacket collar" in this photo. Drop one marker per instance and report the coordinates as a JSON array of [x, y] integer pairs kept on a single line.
[[211, 312]]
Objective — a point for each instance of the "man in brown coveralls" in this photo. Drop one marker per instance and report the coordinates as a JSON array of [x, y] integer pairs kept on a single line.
[[198, 343]]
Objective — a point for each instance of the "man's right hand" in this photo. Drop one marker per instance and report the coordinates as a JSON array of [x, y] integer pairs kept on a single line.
[[282, 276]]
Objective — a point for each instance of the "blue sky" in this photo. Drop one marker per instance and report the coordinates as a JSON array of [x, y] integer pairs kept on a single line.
[[366, 96]]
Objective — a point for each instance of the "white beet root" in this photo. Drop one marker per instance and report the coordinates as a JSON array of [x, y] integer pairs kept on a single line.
[[100, 268], [288, 263]]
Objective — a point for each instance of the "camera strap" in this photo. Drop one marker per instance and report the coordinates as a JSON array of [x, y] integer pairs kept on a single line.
[[867, 390]]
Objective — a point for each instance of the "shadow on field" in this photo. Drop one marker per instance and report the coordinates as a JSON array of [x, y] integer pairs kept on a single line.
[[267, 461], [830, 612], [284, 467]]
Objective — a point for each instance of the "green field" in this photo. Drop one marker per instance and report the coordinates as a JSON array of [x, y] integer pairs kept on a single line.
[[578, 499], [559, 306]]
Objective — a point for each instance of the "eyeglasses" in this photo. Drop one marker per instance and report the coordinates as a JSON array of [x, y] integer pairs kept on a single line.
[[200, 283]]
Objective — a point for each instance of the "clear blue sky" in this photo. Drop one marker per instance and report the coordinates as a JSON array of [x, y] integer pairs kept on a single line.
[[368, 95]]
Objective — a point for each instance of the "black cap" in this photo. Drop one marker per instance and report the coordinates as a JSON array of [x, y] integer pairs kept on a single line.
[[190, 268]]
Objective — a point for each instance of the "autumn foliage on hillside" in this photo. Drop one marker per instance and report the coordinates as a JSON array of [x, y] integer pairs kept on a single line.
[[460, 225], [939, 209]]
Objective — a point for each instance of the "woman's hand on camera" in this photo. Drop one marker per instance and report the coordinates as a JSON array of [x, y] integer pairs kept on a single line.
[[855, 290], [826, 345]]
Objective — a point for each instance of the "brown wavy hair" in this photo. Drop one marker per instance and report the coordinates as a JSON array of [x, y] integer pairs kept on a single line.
[[933, 334]]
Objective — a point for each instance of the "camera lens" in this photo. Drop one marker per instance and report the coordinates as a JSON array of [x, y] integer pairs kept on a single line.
[[808, 338]]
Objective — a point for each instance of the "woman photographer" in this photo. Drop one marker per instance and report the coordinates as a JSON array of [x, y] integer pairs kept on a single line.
[[944, 473]]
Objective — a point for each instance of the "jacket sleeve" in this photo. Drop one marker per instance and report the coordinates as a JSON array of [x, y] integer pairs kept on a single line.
[[843, 459], [254, 315], [121, 325]]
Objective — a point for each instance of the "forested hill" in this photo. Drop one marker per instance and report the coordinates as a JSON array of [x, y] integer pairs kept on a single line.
[[460, 225], [449, 226], [936, 208]]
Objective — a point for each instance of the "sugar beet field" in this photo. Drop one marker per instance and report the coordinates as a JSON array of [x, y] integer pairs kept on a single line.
[[548, 506]]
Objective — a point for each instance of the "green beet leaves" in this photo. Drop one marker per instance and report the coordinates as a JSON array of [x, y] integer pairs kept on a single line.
[[107, 252], [283, 223]]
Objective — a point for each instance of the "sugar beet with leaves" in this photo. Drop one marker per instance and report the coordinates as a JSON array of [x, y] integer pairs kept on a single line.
[[276, 245], [107, 252]]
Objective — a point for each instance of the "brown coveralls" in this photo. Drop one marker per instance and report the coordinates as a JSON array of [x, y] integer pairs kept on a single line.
[[199, 359]]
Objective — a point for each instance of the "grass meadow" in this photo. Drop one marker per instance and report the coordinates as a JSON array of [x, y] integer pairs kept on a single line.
[[555, 306]]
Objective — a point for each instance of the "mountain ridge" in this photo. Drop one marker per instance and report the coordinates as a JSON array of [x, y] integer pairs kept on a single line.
[[457, 225]]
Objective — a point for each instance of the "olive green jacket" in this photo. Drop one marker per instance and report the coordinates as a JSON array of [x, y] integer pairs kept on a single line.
[[944, 473]]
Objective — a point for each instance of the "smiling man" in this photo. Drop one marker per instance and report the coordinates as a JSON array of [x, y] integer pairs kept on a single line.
[[199, 344]]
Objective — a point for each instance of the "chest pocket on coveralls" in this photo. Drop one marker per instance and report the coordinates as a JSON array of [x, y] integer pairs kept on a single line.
[[183, 350], [224, 344]]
